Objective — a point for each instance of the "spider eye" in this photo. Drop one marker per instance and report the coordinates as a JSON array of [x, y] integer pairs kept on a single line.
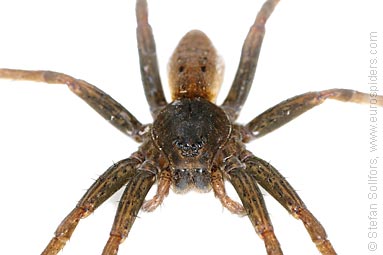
[[181, 69], [203, 69], [189, 149]]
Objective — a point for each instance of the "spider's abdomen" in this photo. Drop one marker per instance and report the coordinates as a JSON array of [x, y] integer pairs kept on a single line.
[[195, 69], [190, 132]]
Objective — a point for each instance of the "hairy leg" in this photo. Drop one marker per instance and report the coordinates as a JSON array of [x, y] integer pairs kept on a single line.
[[130, 203], [148, 60], [277, 186], [252, 200], [291, 108], [106, 106], [248, 62], [255, 207], [104, 187]]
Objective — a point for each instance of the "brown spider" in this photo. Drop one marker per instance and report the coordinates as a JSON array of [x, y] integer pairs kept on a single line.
[[211, 137]]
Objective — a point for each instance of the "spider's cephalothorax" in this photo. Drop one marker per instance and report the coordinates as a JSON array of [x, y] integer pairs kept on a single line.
[[190, 131], [193, 143]]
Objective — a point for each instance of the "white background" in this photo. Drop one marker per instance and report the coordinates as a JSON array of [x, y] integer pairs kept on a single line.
[[52, 145]]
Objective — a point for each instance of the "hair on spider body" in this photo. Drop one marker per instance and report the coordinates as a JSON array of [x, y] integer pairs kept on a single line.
[[193, 144], [190, 132], [195, 69]]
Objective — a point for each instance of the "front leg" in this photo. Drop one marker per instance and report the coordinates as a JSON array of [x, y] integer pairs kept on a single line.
[[277, 186], [253, 202], [105, 105], [104, 187], [129, 206], [255, 207]]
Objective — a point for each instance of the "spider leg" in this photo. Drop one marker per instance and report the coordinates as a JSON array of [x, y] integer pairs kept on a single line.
[[106, 106], [104, 187], [252, 200], [148, 60], [130, 203], [291, 108], [218, 185], [248, 62], [277, 186], [163, 187]]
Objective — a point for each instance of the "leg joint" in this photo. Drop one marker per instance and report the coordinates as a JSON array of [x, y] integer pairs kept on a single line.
[[149, 166]]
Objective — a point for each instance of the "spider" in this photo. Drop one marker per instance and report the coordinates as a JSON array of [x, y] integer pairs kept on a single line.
[[192, 143]]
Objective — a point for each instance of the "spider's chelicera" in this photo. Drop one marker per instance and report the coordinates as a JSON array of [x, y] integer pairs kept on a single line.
[[192, 144]]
